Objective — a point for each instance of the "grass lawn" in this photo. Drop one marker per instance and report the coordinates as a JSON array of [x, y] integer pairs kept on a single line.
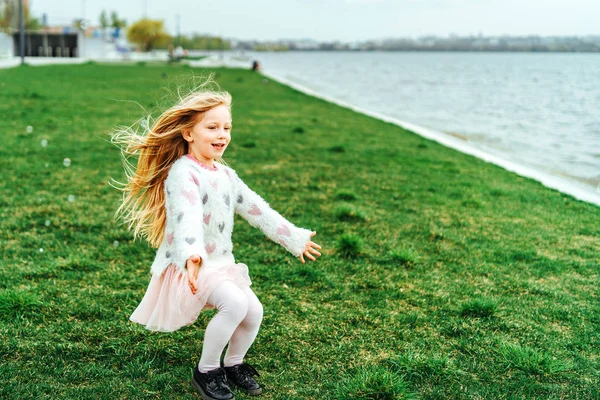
[[442, 277]]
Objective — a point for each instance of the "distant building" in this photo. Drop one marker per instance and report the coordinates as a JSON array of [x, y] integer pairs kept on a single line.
[[48, 44], [306, 44], [9, 9]]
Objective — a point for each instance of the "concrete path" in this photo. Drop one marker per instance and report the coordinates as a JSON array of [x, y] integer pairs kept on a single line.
[[16, 61]]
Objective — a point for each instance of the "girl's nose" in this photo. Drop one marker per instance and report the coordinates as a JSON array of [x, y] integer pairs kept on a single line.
[[223, 134]]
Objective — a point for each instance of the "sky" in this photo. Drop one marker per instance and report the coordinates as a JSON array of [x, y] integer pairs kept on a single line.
[[342, 20]]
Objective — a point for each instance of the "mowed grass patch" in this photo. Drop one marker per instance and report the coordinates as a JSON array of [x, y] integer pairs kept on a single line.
[[442, 276]]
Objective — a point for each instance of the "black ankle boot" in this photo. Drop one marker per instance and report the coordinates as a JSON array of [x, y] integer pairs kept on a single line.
[[241, 375], [212, 385]]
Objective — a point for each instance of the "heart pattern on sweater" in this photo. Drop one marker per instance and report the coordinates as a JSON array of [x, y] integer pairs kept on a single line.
[[240, 199], [284, 230], [194, 179], [254, 210], [170, 237], [210, 248], [190, 240], [206, 218], [180, 217], [227, 199], [221, 226], [205, 199], [213, 184], [191, 196]]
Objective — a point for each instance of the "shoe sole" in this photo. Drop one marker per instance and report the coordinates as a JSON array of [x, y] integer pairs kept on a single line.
[[255, 392], [252, 392], [201, 392]]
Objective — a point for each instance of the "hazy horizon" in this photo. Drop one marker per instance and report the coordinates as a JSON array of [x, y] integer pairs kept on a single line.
[[343, 20]]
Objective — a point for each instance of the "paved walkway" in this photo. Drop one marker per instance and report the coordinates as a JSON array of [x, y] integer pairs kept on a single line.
[[116, 58], [212, 60], [15, 61]]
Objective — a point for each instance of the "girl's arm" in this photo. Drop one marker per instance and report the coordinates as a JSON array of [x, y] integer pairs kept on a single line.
[[184, 236], [258, 213]]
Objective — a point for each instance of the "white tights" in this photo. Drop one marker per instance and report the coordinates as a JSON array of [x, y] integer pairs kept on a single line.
[[237, 322]]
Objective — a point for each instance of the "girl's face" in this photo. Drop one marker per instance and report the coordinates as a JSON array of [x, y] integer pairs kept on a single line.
[[209, 138]]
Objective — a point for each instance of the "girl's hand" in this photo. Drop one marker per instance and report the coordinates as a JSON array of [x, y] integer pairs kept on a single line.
[[193, 268], [310, 249]]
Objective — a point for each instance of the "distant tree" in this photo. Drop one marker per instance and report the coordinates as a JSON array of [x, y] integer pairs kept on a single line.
[[148, 34], [204, 42], [9, 16], [104, 23], [33, 24], [116, 22]]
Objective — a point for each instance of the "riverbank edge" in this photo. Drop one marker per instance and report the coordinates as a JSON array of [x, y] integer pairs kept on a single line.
[[550, 181]]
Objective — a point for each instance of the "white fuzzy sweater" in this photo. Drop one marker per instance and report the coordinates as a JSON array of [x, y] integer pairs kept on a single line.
[[201, 202]]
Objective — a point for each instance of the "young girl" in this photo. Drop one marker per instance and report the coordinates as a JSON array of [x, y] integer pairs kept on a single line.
[[182, 199]]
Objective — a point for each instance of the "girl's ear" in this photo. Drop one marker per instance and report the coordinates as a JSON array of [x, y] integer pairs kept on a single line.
[[187, 135]]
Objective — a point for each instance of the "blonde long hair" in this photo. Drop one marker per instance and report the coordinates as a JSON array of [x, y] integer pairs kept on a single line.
[[143, 205]]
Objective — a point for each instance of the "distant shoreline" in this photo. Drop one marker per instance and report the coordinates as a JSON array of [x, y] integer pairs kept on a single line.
[[503, 43]]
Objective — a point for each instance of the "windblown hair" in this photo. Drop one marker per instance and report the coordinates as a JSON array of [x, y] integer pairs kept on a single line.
[[156, 149]]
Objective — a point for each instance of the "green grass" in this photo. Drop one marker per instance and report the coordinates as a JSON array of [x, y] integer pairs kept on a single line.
[[193, 58], [457, 280], [349, 213], [349, 246]]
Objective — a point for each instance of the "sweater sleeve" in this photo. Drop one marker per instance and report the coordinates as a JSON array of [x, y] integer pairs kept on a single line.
[[258, 213], [184, 236]]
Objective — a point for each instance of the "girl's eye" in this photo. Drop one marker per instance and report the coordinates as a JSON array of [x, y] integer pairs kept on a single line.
[[227, 128]]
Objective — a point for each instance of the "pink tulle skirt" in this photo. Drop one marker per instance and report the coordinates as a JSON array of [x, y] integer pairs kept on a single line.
[[169, 303]]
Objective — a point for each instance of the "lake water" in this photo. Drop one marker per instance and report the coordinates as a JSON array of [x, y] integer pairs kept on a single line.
[[537, 110]]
